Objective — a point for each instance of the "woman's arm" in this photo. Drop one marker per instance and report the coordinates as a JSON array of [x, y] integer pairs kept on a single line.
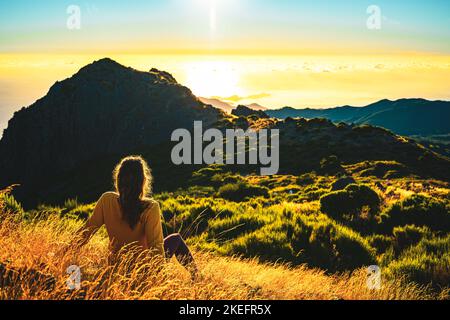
[[93, 224]]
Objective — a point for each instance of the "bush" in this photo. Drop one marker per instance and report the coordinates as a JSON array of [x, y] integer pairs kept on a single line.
[[320, 242], [336, 204], [338, 248], [239, 192], [407, 236], [82, 212], [10, 205], [221, 179], [281, 233], [380, 242], [418, 210], [266, 244], [306, 179], [427, 262], [362, 195], [203, 176], [71, 204], [234, 226], [342, 183], [331, 165], [349, 202], [385, 170]]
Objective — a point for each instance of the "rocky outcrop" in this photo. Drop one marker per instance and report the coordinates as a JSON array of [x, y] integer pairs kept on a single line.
[[243, 111]]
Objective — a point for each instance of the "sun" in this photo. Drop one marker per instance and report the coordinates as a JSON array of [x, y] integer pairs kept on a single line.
[[212, 78]]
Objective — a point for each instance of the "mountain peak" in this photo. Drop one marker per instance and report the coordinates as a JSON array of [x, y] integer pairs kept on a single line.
[[107, 67], [104, 63]]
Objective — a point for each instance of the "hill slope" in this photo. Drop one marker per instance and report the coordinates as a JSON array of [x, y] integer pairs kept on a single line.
[[405, 116], [42, 246], [305, 144]]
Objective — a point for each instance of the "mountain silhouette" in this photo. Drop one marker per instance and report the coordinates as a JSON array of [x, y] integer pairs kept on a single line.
[[405, 116], [228, 107], [67, 143], [104, 109], [216, 103], [243, 111]]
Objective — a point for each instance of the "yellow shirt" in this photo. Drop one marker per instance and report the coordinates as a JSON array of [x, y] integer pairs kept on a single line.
[[147, 233]]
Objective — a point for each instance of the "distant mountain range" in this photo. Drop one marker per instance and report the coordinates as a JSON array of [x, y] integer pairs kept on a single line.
[[67, 143], [405, 116], [228, 107]]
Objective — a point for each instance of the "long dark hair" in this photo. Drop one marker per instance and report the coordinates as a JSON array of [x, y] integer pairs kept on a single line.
[[132, 180]]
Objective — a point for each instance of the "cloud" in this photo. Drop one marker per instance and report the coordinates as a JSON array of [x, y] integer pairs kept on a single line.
[[236, 98]]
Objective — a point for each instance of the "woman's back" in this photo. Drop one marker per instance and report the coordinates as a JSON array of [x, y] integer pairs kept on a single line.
[[131, 218], [147, 232]]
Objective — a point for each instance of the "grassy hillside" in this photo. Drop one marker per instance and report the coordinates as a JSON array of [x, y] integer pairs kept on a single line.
[[37, 244], [284, 237]]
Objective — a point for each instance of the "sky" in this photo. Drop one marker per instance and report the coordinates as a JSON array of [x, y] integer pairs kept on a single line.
[[222, 26], [273, 52]]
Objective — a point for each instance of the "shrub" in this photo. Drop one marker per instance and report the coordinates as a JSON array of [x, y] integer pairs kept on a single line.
[[312, 193], [234, 226], [203, 176], [10, 205], [385, 170], [331, 165], [221, 179], [194, 219], [320, 242], [349, 202], [425, 263], [418, 210], [170, 208], [266, 243], [338, 248], [362, 195], [71, 204], [306, 179], [353, 251], [239, 192], [281, 233], [380, 242], [336, 204], [82, 212], [407, 236], [342, 183]]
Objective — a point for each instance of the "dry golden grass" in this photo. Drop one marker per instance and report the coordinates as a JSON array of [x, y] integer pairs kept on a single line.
[[40, 246]]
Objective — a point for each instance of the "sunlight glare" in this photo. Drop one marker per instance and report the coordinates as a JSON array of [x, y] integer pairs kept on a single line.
[[212, 78]]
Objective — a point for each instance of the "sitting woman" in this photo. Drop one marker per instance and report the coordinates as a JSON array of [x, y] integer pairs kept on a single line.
[[130, 217]]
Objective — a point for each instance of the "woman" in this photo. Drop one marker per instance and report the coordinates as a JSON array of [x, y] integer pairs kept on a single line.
[[131, 217]]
